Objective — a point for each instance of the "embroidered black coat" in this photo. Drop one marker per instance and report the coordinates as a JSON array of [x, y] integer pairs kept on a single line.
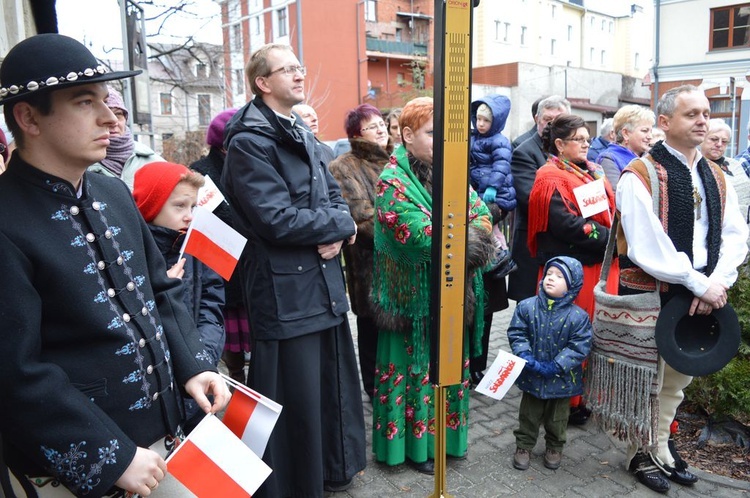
[[96, 342]]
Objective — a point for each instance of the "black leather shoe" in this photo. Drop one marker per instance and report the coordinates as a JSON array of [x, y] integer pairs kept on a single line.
[[476, 378], [426, 467], [579, 415], [648, 473], [677, 472], [336, 486], [680, 476]]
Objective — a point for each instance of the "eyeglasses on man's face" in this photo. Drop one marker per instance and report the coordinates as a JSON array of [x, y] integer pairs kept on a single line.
[[380, 125], [580, 140], [289, 70]]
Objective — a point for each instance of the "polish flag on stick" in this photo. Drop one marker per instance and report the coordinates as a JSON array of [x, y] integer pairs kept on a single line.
[[213, 242], [251, 416], [213, 462]]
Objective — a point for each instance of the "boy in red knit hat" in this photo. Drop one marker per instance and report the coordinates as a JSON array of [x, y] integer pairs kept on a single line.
[[166, 194]]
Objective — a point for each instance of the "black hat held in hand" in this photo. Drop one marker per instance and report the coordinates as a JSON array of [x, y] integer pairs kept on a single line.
[[48, 61], [700, 344]]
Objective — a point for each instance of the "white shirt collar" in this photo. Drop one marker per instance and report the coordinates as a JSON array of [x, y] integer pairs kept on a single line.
[[292, 118], [679, 155]]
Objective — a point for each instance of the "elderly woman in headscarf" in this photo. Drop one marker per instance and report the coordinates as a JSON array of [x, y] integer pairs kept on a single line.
[[403, 408], [125, 155], [357, 172]]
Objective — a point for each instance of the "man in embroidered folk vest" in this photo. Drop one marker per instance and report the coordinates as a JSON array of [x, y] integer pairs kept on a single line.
[[694, 247], [98, 347]]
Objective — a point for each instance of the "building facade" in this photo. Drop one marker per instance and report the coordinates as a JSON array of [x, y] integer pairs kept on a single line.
[[355, 51], [716, 56], [595, 53], [186, 89], [328, 37]]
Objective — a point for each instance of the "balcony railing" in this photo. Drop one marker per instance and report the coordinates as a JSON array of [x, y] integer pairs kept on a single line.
[[395, 47]]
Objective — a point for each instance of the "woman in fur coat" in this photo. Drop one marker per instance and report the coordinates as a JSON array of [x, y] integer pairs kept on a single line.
[[357, 172]]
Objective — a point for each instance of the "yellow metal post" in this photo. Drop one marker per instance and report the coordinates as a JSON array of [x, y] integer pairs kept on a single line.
[[450, 209]]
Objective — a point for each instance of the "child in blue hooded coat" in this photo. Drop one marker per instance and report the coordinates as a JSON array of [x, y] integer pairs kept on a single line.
[[489, 167], [553, 335]]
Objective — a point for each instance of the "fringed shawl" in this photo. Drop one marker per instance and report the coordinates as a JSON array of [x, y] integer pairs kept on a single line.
[[403, 245], [553, 177]]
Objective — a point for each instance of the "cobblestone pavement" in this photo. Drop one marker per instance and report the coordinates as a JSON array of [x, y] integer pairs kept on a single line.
[[592, 463]]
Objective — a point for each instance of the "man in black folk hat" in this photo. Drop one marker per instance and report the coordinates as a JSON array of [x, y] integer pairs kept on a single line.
[[97, 347], [692, 246]]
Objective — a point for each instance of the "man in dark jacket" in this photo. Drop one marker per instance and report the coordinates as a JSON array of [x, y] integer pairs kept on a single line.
[[531, 131], [98, 347], [291, 210], [600, 143], [526, 159]]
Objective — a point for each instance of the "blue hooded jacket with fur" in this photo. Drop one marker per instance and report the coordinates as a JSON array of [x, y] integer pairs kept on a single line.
[[553, 330], [490, 153]]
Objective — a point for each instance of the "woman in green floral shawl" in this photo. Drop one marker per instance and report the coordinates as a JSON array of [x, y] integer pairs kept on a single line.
[[403, 412]]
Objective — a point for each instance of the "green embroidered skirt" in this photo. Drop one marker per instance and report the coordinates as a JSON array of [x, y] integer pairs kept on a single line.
[[403, 411]]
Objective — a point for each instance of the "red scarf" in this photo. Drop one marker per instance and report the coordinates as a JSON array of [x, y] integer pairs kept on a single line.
[[562, 176]]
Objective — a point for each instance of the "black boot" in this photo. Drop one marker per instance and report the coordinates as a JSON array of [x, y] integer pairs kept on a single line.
[[648, 473]]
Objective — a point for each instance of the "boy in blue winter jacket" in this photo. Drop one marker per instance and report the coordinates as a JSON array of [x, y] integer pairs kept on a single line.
[[489, 166], [553, 335]]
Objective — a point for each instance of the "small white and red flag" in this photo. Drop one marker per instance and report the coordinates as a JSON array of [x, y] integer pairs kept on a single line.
[[213, 242], [209, 195], [213, 462], [501, 375], [251, 416]]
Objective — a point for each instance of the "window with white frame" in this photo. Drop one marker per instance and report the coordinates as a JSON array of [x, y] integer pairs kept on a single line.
[[523, 35], [239, 82], [201, 70], [501, 31], [281, 22], [204, 109], [165, 103], [237, 37], [256, 25], [604, 57], [552, 47], [570, 32], [371, 11]]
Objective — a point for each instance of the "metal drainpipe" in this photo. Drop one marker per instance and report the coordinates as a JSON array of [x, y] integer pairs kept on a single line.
[[300, 50], [656, 53], [359, 47]]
